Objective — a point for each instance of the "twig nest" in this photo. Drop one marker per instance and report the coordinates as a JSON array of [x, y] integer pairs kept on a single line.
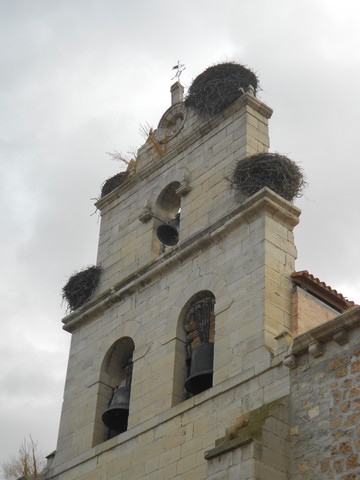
[[81, 286], [111, 183], [271, 170], [218, 86]]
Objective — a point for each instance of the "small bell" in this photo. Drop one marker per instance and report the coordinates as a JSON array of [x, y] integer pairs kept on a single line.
[[201, 369], [116, 415], [168, 233]]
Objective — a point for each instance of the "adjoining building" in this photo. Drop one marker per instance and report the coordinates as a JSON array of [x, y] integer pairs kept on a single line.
[[199, 352]]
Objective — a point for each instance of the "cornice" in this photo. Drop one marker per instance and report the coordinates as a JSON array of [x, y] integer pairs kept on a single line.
[[264, 202], [313, 341]]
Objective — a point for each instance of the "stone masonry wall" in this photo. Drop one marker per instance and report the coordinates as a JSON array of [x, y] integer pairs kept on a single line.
[[325, 412], [256, 447], [231, 268], [202, 154], [172, 444]]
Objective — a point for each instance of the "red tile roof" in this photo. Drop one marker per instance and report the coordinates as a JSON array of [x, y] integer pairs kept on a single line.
[[308, 282]]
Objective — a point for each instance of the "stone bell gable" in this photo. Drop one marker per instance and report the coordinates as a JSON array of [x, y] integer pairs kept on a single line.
[[179, 361]]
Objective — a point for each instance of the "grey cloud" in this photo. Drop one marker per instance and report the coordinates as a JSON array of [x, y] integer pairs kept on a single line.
[[78, 79]]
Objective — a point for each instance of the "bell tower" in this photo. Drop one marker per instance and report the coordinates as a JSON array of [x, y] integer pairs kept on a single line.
[[180, 346]]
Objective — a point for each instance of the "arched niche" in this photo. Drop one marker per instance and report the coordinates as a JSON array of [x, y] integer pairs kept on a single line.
[[115, 377], [167, 208]]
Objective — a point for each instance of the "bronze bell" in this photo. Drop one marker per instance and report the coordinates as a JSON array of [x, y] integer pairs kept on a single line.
[[168, 233], [201, 369], [116, 415]]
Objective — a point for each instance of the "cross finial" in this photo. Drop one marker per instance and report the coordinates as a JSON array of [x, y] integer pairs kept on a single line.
[[179, 67]]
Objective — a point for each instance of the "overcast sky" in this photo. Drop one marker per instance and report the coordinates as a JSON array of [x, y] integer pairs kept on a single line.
[[78, 78]]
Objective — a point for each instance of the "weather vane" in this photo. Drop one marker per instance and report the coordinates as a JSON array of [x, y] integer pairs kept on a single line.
[[179, 69]]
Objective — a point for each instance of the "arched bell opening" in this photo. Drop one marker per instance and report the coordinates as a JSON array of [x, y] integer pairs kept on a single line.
[[114, 391], [167, 218], [194, 354], [199, 325]]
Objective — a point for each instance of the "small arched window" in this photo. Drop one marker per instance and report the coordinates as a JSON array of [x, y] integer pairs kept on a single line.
[[167, 217], [114, 390]]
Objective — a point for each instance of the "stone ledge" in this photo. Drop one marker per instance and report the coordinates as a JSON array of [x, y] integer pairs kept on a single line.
[[227, 447], [251, 431]]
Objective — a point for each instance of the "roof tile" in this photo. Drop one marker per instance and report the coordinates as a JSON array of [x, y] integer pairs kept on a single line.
[[322, 291]]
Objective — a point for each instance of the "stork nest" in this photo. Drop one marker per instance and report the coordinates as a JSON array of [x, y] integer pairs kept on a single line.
[[218, 86], [271, 170], [81, 286], [111, 183]]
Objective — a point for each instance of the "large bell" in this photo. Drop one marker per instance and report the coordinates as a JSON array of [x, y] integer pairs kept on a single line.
[[168, 233], [116, 415], [201, 369]]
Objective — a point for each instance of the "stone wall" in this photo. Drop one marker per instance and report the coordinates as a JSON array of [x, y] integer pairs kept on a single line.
[[255, 447], [199, 160], [151, 320], [173, 444], [325, 401]]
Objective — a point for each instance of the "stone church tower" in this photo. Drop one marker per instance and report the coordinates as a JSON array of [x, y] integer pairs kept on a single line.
[[176, 367]]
